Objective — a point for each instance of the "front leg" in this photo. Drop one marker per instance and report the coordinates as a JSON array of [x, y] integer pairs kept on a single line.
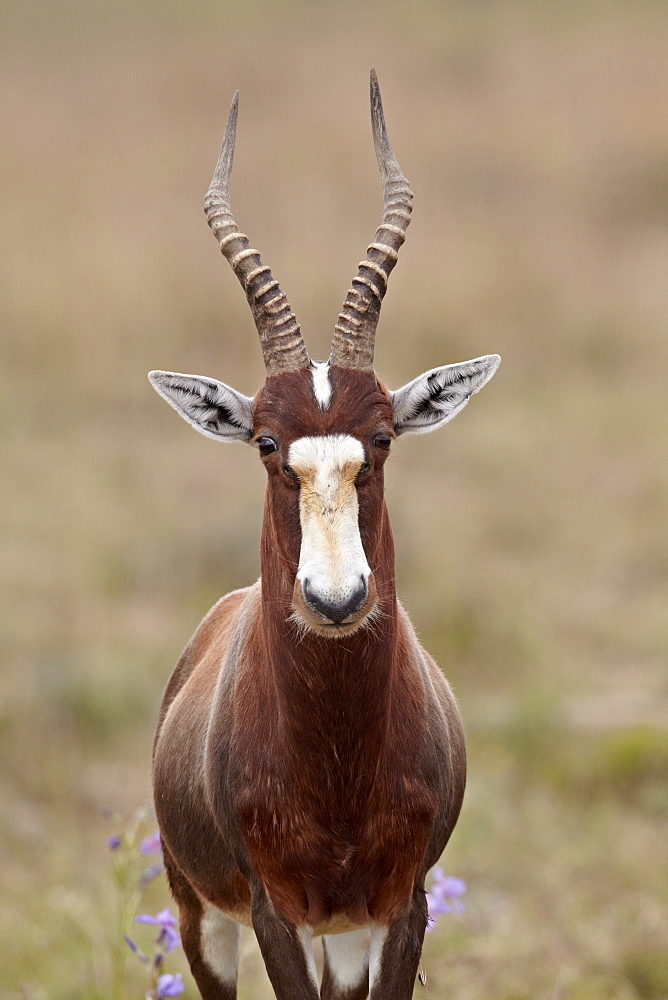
[[210, 938], [395, 952], [286, 950]]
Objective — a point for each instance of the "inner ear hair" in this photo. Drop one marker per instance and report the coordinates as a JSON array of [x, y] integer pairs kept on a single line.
[[438, 395], [214, 409]]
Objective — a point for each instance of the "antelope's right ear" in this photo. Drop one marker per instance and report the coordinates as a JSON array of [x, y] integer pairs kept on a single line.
[[213, 408]]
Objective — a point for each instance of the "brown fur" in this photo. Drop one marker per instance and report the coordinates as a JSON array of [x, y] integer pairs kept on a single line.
[[302, 779]]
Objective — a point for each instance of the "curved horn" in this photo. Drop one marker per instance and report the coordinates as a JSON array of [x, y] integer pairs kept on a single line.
[[280, 337], [355, 331]]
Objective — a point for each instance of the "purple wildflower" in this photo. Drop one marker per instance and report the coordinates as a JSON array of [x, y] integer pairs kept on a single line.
[[149, 873], [151, 845], [130, 943], [166, 921], [444, 896], [169, 985], [114, 842]]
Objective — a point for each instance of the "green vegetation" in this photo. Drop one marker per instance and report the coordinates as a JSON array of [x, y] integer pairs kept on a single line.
[[530, 533]]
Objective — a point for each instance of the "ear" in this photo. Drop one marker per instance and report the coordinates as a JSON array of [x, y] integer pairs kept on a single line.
[[437, 396], [213, 408]]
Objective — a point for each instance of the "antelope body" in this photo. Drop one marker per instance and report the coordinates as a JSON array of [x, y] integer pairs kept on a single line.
[[309, 763]]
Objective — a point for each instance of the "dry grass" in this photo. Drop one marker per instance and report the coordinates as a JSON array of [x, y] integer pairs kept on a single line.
[[530, 534]]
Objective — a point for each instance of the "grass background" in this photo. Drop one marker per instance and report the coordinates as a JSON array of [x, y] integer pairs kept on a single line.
[[530, 533]]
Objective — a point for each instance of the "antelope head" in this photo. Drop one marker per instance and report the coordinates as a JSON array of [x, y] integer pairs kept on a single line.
[[323, 429]]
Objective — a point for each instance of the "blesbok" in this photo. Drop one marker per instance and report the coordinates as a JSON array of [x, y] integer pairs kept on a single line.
[[309, 764]]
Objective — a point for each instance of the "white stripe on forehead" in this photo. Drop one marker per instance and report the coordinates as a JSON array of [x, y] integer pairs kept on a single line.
[[325, 454], [322, 387]]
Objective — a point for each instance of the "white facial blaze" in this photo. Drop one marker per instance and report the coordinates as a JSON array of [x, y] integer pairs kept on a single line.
[[332, 558]]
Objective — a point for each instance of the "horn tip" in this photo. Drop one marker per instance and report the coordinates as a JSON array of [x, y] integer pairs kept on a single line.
[[377, 115], [231, 128], [233, 112]]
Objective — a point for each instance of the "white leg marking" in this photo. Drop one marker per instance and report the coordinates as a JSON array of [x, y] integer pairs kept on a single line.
[[378, 935], [219, 935], [348, 957], [305, 935], [322, 387]]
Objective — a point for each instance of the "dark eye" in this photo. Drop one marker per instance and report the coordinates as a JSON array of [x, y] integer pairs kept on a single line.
[[364, 467], [289, 471], [267, 446], [382, 441]]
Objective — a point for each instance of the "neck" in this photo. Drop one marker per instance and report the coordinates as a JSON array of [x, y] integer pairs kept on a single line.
[[324, 686]]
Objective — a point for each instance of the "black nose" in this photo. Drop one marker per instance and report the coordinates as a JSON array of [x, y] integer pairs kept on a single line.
[[336, 612]]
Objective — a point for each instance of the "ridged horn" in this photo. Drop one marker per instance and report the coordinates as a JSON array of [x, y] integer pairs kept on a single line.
[[355, 330], [281, 340]]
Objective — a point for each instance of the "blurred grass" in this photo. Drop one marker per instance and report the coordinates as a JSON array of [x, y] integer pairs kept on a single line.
[[530, 534]]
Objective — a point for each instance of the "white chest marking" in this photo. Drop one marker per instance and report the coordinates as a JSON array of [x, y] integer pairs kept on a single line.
[[322, 387]]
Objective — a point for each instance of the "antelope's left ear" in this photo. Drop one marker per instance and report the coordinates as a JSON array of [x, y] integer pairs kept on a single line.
[[437, 396]]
